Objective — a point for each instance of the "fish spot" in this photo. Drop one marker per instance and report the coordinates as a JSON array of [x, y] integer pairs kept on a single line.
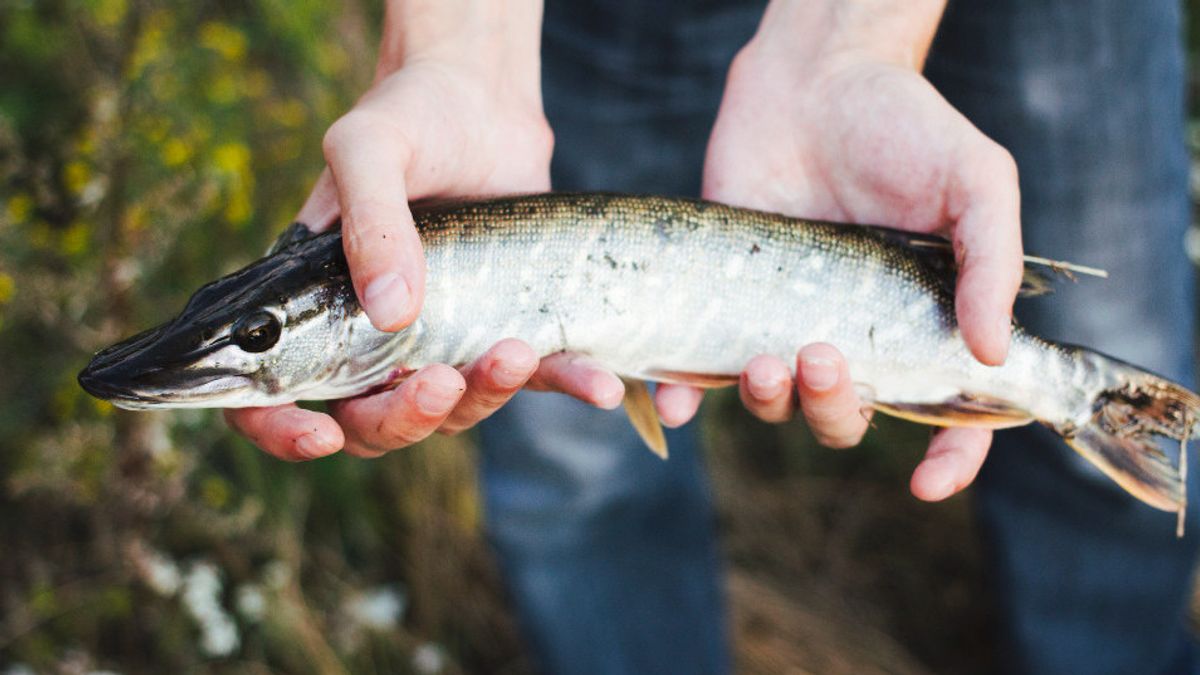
[[612, 262], [755, 248]]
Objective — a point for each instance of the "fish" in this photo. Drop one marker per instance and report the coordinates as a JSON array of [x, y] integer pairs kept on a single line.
[[660, 290]]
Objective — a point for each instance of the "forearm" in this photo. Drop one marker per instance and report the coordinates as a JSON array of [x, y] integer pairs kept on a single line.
[[501, 36], [895, 31]]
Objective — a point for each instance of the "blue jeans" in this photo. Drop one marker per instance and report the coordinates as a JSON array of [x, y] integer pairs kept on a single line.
[[1088, 96], [610, 555]]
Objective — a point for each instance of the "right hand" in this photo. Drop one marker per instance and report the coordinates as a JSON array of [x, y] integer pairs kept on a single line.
[[436, 126]]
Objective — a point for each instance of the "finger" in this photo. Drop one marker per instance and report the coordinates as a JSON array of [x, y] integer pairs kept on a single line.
[[765, 388], [827, 397], [579, 376], [320, 210], [398, 418], [491, 381], [288, 432], [951, 463], [987, 247], [677, 403], [368, 163]]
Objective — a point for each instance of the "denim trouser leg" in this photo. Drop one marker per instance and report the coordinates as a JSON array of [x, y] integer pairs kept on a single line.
[[609, 553], [1088, 98]]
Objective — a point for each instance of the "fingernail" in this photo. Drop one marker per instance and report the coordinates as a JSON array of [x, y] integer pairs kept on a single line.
[[820, 374], [387, 299], [762, 386], [611, 399], [434, 398], [312, 446]]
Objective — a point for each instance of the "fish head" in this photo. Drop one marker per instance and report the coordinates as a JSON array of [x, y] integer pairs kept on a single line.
[[260, 336]]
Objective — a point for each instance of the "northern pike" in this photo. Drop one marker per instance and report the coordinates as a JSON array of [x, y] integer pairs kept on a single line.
[[656, 289]]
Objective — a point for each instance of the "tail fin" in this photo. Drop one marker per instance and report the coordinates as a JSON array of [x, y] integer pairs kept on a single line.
[[1121, 438]]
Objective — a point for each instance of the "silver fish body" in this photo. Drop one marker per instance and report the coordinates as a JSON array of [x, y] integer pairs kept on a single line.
[[657, 289]]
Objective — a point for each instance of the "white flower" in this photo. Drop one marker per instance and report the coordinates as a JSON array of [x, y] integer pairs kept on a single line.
[[201, 598], [162, 574], [378, 608], [251, 603], [429, 659]]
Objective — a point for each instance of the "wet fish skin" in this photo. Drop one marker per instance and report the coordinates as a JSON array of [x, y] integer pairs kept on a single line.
[[659, 289]]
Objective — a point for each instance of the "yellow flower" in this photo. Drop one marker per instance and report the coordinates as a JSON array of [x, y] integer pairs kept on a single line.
[[231, 158], [223, 39], [175, 152], [18, 209], [223, 89], [102, 407], [76, 174], [109, 13], [215, 492], [7, 288], [290, 113], [75, 238], [331, 59], [151, 43], [86, 143], [134, 218], [238, 209]]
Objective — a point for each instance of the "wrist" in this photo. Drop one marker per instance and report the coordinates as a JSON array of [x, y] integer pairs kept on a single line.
[[498, 39], [896, 32]]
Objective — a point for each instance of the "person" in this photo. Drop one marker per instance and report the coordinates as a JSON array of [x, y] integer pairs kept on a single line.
[[824, 113]]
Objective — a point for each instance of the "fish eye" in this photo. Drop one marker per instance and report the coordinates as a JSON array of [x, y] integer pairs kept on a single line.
[[256, 332]]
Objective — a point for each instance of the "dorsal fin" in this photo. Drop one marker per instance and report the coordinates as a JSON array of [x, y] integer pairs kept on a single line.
[[938, 254], [294, 234]]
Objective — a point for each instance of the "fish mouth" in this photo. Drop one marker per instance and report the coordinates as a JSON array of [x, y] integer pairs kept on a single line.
[[134, 374], [127, 390]]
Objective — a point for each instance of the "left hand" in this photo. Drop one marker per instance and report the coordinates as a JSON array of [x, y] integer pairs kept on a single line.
[[854, 138]]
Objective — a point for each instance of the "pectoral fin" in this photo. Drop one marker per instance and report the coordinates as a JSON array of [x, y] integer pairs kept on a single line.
[[640, 407]]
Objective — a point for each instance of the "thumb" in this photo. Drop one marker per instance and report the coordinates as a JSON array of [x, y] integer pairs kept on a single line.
[[985, 203], [387, 264]]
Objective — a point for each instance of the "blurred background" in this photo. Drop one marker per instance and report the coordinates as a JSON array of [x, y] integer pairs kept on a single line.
[[147, 148]]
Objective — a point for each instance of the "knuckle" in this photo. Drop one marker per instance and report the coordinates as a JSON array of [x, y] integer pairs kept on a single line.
[[349, 129], [339, 134], [1003, 162]]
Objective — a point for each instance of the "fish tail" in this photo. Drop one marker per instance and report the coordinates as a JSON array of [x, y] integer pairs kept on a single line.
[[1122, 435]]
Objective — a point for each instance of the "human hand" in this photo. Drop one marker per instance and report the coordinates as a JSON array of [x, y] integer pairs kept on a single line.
[[835, 130], [455, 110]]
